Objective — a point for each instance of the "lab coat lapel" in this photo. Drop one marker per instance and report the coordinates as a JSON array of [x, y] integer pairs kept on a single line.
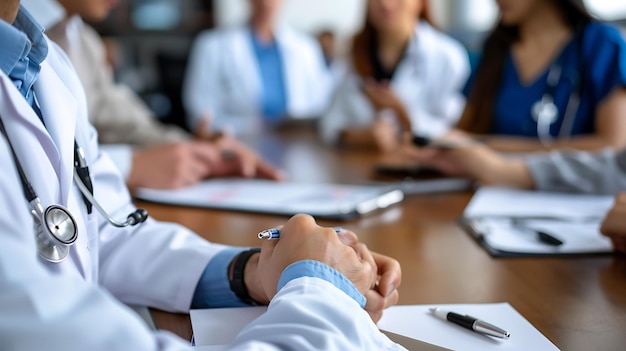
[[246, 66], [59, 108], [409, 77]]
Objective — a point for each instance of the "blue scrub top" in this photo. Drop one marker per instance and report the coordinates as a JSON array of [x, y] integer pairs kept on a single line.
[[273, 90], [604, 59]]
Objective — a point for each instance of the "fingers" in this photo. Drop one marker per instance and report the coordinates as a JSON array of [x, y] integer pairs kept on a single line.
[[619, 244], [247, 163], [267, 171], [390, 274], [385, 293], [204, 152], [376, 303]]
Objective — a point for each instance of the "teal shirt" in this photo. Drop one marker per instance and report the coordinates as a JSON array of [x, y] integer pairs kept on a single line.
[[273, 89]]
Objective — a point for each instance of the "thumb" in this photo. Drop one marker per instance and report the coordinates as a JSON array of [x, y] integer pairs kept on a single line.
[[347, 237]]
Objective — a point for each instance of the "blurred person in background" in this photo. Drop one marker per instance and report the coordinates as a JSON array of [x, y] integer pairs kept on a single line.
[[600, 172], [404, 75], [550, 77], [255, 76], [147, 152]]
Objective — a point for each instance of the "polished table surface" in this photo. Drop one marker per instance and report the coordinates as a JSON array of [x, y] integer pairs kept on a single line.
[[578, 303]]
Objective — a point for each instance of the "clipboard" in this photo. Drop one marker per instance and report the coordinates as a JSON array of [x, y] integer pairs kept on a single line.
[[494, 214], [321, 200], [598, 246]]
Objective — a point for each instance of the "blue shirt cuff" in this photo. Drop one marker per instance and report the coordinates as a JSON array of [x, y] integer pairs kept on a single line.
[[316, 269], [213, 289]]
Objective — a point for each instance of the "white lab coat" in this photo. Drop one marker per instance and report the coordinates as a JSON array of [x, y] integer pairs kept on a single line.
[[429, 82], [223, 79], [73, 305]]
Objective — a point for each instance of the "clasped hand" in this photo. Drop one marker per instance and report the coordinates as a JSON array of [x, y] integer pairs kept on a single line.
[[376, 276]]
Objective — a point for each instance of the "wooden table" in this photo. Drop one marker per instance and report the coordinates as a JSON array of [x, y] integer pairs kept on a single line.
[[578, 303]]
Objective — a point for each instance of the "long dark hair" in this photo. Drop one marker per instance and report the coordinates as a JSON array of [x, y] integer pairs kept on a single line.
[[364, 40], [478, 115]]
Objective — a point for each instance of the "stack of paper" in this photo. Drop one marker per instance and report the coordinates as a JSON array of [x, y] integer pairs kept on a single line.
[[507, 222]]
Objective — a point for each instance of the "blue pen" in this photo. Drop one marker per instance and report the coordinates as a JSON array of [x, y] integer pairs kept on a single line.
[[274, 233]]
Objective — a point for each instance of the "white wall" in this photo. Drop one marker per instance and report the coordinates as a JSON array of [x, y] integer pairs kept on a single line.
[[342, 16], [346, 16]]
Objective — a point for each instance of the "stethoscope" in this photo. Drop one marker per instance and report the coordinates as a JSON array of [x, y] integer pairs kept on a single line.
[[545, 112], [55, 227]]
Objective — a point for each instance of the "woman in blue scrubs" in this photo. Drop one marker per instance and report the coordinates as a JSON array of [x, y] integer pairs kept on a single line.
[[550, 77]]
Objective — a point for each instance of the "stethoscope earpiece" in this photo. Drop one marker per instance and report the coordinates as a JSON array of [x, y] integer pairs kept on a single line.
[[139, 216]]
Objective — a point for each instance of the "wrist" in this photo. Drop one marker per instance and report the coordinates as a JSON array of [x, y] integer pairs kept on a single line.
[[511, 173], [252, 280], [242, 276]]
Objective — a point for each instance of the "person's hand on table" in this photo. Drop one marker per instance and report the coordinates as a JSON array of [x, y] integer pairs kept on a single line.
[[173, 165], [239, 160], [614, 224], [376, 276], [459, 156]]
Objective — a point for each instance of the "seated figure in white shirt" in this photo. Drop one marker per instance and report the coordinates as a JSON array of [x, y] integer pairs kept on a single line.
[[253, 77], [404, 75], [147, 152]]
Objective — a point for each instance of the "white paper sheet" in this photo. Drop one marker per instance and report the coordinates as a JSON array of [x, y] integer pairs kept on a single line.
[[214, 328], [417, 322], [220, 326], [503, 202]]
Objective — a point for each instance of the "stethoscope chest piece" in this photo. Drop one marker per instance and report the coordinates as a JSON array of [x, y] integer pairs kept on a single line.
[[545, 111], [56, 231]]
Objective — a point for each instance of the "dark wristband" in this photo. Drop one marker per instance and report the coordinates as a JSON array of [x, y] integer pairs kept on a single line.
[[237, 283]]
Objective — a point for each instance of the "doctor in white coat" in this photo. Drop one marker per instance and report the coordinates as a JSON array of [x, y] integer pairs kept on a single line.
[[75, 304], [254, 76], [404, 74]]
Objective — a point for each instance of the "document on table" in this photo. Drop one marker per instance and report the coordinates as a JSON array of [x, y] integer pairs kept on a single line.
[[334, 201], [507, 222], [511, 203], [415, 326], [417, 322]]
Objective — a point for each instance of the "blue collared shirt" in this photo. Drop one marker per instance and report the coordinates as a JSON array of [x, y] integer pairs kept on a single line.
[[24, 48], [213, 290]]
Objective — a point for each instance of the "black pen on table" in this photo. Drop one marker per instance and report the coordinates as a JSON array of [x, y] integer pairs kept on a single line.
[[544, 237], [471, 323], [274, 233]]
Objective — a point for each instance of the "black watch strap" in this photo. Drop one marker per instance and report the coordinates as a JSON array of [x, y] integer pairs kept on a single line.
[[237, 284]]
